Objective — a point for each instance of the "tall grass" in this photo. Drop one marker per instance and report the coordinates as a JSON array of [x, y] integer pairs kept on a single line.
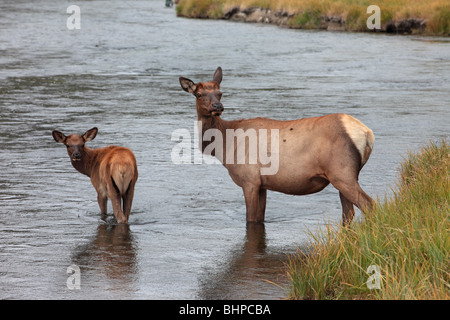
[[200, 8], [407, 237], [353, 12]]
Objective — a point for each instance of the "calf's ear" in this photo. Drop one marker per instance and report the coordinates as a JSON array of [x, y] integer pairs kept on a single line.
[[90, 134], [58, 136]]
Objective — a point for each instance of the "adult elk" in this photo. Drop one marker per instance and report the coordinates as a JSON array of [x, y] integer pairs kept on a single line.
[[312, 153], [113, 171]]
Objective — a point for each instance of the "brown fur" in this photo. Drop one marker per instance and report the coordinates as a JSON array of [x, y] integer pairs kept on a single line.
[[312, 153], [113, 171]]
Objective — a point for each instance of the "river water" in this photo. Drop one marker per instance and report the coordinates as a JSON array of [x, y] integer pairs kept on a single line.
[[187, 237]]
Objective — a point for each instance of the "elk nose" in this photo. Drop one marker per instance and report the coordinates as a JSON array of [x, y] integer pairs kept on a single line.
[[76, 155], [217, 106]]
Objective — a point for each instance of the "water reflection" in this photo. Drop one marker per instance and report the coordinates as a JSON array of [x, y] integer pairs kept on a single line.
[[251, 271], [109, 258], [120, 72]]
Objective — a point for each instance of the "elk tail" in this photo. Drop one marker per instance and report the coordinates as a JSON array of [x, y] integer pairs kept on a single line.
[[122, 175], [370, 140]]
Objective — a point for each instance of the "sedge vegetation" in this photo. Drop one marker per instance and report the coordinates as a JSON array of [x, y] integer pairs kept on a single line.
[[407, 237], [308, 13]]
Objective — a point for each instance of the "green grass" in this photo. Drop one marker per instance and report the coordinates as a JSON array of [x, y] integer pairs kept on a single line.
[[306, 20], [309, 13], [211, 9], [406, 236], [440, 21]]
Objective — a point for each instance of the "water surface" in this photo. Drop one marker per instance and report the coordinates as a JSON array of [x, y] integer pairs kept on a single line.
[[187, 237]]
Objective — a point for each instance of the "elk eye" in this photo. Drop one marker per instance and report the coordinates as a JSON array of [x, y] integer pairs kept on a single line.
[[67, 146], [198, 95]]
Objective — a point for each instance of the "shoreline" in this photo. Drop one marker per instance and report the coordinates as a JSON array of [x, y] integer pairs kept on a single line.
[[322, 22], [351, 20]]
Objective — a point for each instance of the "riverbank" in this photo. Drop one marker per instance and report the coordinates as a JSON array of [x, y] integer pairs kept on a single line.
[[400, 251], [399, 16]]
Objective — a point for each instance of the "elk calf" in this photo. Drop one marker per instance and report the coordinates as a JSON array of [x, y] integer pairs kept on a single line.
[[313, 152], [113, 171]]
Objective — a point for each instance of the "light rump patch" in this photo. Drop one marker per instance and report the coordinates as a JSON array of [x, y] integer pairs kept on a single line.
[[362, 136]]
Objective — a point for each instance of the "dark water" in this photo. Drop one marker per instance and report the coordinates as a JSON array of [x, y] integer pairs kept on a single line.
[[187, 237]]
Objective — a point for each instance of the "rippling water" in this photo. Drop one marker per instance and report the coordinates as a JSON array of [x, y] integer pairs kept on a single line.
[[187, 237]]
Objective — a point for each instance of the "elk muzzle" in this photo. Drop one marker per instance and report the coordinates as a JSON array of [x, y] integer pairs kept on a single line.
[[76, 156], [217, 109]]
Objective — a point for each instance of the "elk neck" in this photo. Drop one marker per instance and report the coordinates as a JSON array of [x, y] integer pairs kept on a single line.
[[89, 158], [214, 122]]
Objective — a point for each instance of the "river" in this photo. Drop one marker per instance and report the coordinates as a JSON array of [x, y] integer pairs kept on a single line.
[[187, 237]]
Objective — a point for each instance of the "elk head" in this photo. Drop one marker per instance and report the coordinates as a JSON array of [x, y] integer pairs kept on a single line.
[[75, 143], [208, 94]]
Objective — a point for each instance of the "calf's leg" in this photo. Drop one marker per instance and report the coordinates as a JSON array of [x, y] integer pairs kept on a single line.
[[128, 200], [115, 197], [102, 203]]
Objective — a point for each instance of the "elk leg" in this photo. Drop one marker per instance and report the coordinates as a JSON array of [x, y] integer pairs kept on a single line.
[[128, 200], [115, 197], [262, 204], [348, 211], [118, 213], [102, 203], [252, 203], [352, 192]]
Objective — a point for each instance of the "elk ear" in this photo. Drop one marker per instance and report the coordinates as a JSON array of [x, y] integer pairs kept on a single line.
[[58, 136], [187, 85], [90, 134], [218, 75]]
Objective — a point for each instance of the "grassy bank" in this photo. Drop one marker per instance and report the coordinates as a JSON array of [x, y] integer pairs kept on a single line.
[[406, 237], [428, 17]]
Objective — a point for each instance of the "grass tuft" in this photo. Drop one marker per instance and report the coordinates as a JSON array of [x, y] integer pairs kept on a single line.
[[211, 9], [406, 237]]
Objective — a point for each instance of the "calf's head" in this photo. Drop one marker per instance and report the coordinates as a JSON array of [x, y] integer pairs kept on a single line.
[[208, 94], [75, 142]]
